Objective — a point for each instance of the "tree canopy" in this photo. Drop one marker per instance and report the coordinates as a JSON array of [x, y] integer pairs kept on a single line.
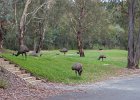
[[72, 24]]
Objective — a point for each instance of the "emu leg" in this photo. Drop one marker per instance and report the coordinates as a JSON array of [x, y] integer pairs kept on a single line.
[[25, 55], [80, 72], [102, 59], [76, 72], [17, 54]]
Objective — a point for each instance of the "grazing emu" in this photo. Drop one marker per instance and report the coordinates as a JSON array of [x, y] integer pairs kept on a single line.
[[100, 49], [22, 50], [64, 50], [78, 68], [101, 57]]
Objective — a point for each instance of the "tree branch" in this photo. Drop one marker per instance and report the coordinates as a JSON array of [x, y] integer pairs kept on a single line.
[[35, 11]]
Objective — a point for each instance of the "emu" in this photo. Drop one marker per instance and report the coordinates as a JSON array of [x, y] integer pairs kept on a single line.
[[101, 57], [23, 49], [64, 50], [100, 49], [78, 68]]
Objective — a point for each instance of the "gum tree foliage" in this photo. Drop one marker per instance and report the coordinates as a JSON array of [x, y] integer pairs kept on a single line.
[[56, 24], [118, 16]]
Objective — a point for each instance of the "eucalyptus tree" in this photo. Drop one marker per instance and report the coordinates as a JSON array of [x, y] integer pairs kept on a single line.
[[37, 20], [77, 16], [23, 22], [133, 38], [128, 18], [32, 21], [89, 22]]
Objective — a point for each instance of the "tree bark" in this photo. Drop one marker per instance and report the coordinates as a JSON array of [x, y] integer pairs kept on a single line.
[[137, 53], [41, 38], [22, 23], [1, 37], [80, 47], [132, 57], [2, 31], [79, 33]]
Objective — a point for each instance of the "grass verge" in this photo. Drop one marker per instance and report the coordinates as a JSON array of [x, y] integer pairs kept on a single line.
[[55, 67]]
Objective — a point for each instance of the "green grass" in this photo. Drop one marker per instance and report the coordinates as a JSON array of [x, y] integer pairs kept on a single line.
[[57, 68]]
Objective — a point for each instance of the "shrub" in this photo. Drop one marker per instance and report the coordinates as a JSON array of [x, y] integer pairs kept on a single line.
[[3, 83]]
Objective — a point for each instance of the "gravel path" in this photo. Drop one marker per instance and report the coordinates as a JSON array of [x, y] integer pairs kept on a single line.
[[123, 74], [115, 89]]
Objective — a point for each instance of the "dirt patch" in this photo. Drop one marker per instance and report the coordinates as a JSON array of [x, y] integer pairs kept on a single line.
[[127, 72]]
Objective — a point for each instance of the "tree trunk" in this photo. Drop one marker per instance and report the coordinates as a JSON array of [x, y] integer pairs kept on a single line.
[[137, 53], [79, 34], [22, 23], [1, 39], [131, 54], [16, 22], [41, 38], [2, 31], [80, 47]]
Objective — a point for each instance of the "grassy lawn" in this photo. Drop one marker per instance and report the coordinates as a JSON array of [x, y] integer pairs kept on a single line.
[[57, 68]]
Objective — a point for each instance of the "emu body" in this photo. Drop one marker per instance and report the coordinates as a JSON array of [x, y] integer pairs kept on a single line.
[[78, 68], [18, 53], [100, 49], [23, 50], [64, 50], [101, 57]]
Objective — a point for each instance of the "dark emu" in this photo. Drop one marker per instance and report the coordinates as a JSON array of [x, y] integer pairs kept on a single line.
[[23, 50], [101, 57], [78, 68]]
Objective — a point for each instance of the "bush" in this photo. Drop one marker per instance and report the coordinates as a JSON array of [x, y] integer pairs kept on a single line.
[[3, 83]]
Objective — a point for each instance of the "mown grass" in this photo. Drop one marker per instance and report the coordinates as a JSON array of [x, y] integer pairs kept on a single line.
[[57, 68]]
